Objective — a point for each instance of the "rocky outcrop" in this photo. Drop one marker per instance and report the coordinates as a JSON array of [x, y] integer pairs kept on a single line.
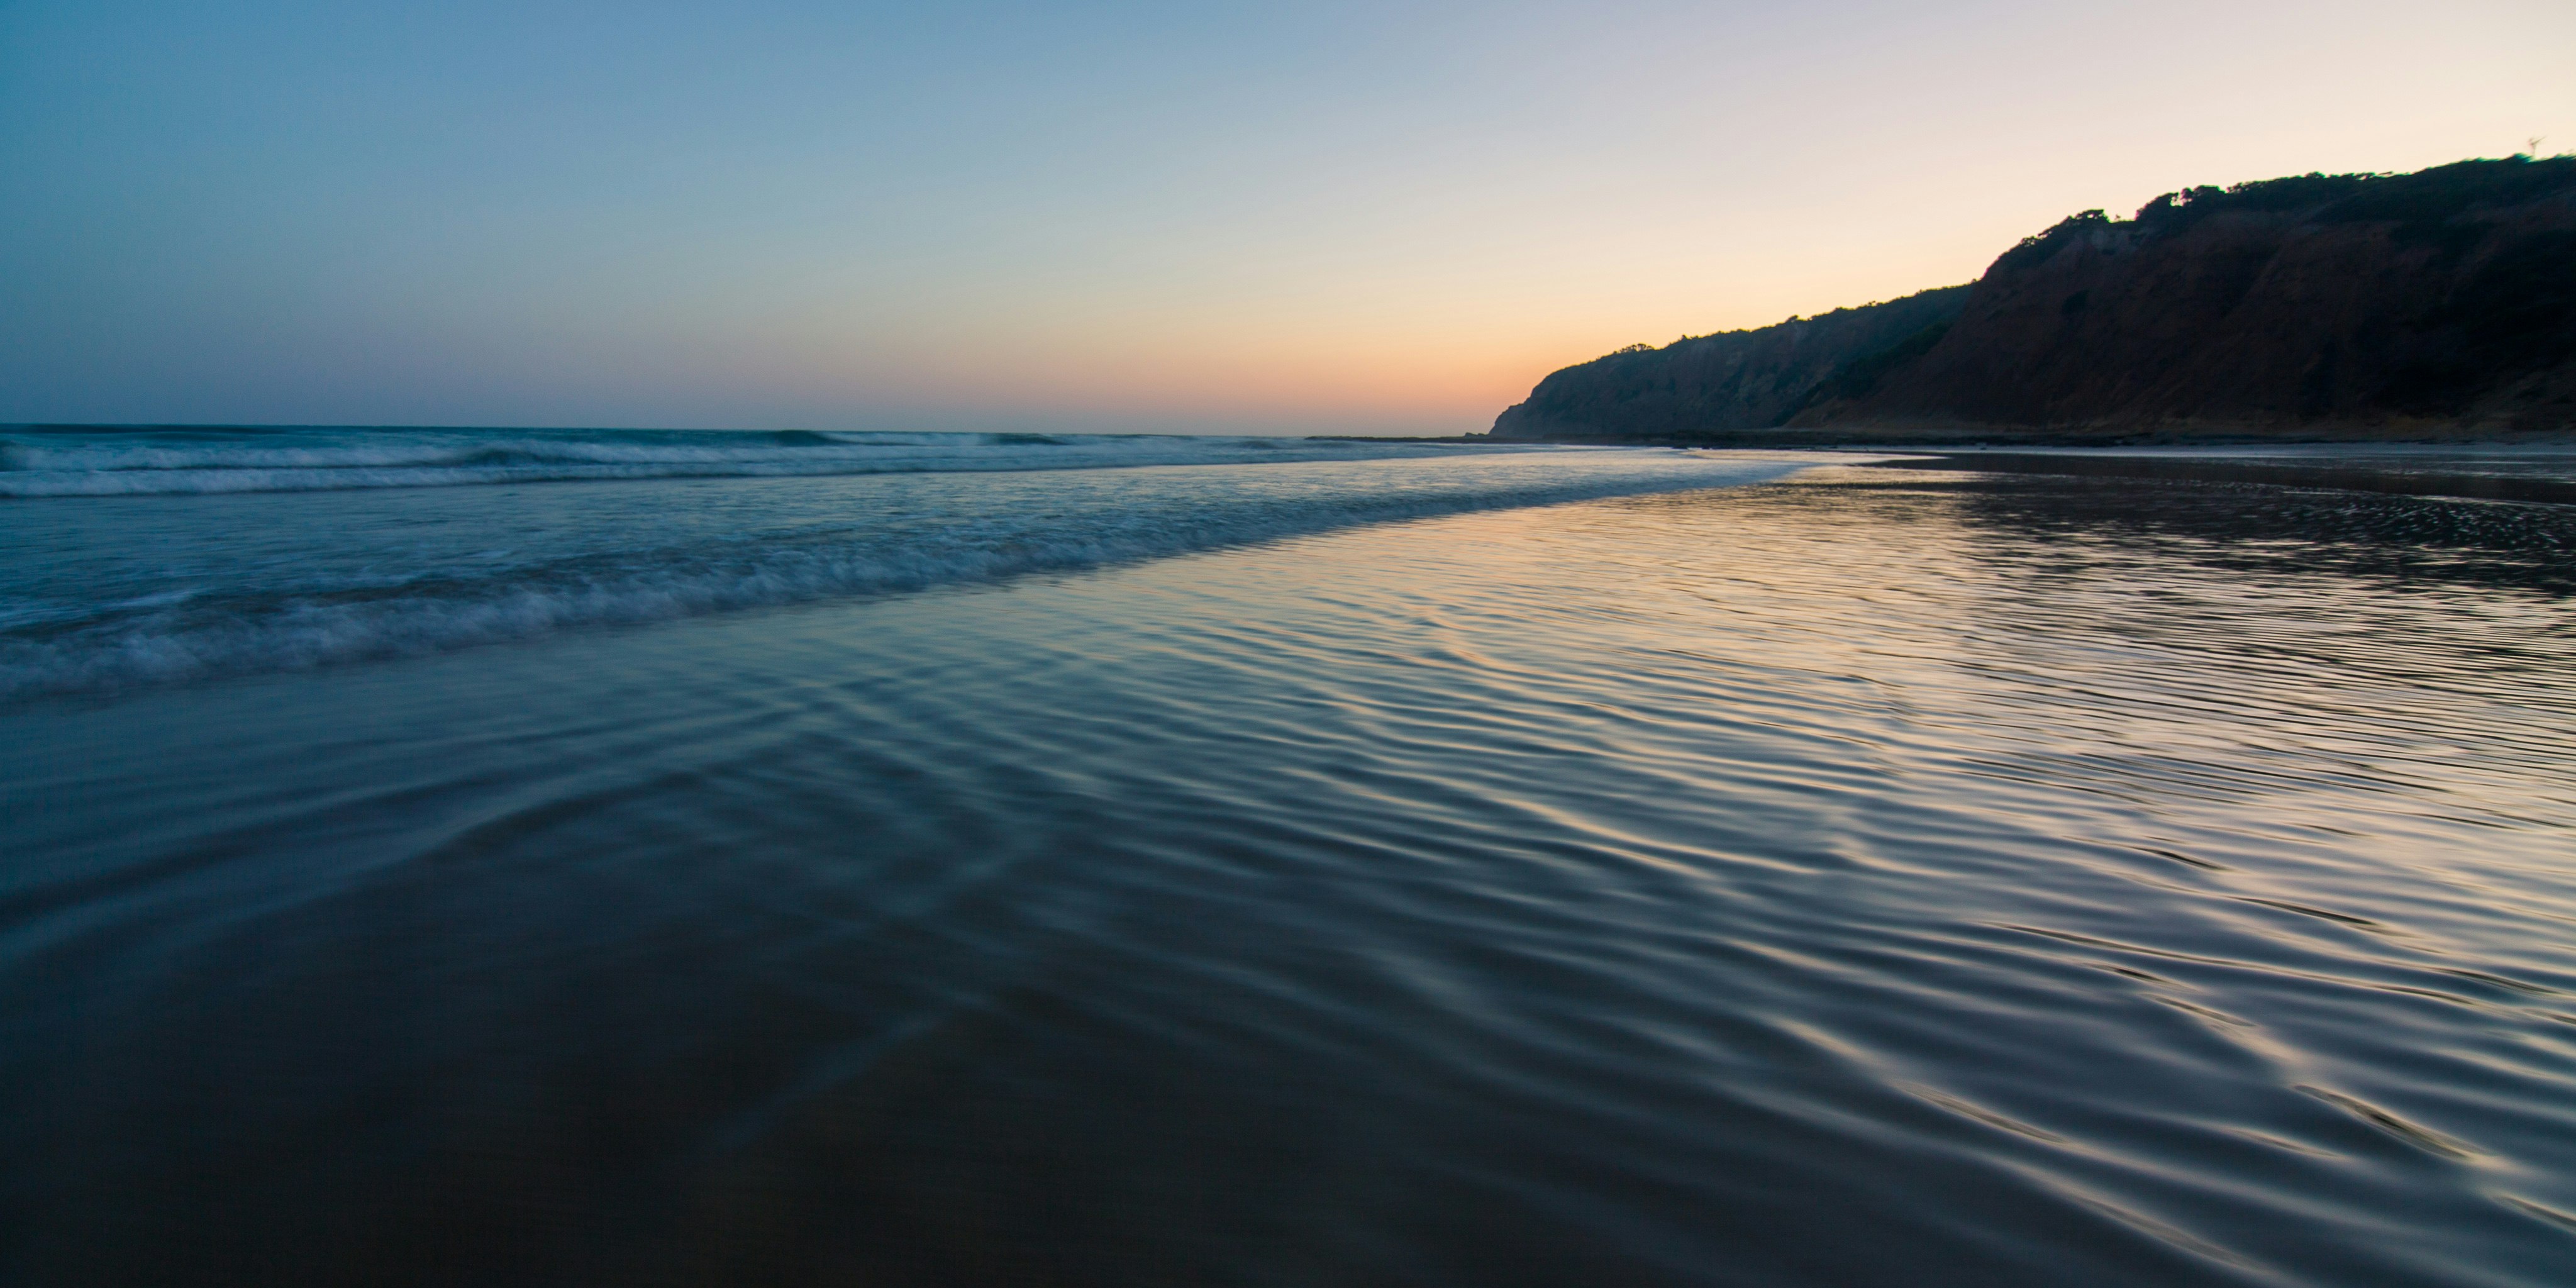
[[1734, 380], [2431, 303]]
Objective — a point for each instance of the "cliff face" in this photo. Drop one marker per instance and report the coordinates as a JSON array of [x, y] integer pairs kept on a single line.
[[1735, 380], [2442, 300]]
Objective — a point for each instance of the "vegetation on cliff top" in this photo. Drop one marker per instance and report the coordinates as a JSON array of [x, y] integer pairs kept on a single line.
[[2447, 294], [2420, 203]]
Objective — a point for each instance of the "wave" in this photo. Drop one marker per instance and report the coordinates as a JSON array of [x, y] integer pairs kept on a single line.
[[162, 638], [87, 462]]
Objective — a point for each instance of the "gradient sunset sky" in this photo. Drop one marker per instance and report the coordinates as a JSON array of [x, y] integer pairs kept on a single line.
[[1320, 217]]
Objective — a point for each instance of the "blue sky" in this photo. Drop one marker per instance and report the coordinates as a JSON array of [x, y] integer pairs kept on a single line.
[[1323, 217]]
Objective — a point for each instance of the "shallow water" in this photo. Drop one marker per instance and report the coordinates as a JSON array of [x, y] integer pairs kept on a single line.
[[2556, 461], [83, 460], [144, 587], [1868, 877]]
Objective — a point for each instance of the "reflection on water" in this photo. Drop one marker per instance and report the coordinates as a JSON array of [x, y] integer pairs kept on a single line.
[[1873, 878], [2264, 531]]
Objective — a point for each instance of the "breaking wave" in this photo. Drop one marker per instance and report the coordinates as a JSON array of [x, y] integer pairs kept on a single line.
[[146, 623], [38, 462]]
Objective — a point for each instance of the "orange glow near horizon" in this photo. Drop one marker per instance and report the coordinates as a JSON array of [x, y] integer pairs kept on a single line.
[[1343, 221]]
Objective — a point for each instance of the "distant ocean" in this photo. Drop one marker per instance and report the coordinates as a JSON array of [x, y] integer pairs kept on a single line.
[[642, 857]]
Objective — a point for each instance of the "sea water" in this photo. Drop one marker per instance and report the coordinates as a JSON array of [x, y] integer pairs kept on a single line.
[[961, 859]]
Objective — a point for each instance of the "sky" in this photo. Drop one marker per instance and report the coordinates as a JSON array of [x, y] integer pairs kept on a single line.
[[1316, 218]]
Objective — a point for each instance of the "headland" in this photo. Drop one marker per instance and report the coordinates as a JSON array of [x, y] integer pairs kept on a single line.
[[2437, 306]]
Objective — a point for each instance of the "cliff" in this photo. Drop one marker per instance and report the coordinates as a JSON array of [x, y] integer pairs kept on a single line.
[[2431, 303], [1734, 380]]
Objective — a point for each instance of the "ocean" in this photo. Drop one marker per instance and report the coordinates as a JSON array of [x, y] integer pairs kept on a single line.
[[660, 857]]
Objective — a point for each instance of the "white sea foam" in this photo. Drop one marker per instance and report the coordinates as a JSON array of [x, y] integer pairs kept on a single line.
[[287, 614], [144, 462]]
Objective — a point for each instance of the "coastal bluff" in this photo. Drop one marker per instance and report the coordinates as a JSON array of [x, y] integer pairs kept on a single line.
[[2428, 305]]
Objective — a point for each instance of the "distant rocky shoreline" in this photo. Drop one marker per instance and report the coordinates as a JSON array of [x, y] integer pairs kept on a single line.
[[2433, 306]]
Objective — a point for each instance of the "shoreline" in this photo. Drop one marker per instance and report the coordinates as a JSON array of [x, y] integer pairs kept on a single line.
[[2393, 479], [1923, 438], [2199, 460], [2004, 436]]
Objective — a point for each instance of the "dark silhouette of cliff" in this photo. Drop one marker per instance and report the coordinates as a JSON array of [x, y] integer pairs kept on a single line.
[[2433, 303], [1734, 380]]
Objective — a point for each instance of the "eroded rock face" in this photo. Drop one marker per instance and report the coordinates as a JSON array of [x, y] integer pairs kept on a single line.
[[1734, 380], [2438, 302]]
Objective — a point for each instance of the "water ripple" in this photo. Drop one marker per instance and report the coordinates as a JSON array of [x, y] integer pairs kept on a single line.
[[1870, 878]]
